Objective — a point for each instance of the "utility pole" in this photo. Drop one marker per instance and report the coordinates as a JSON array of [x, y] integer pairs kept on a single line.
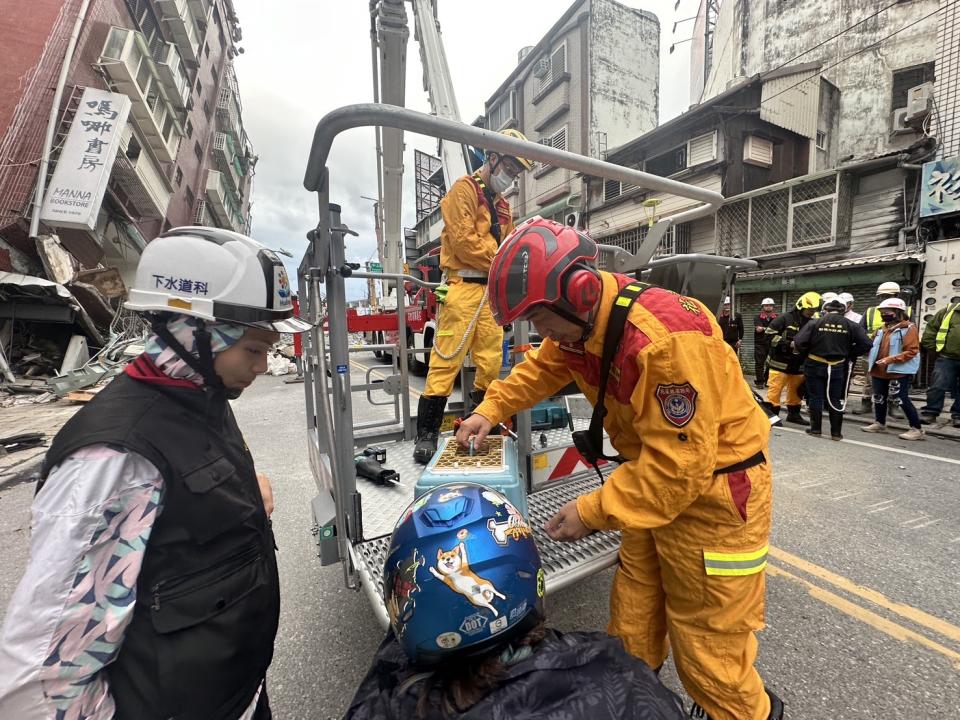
[[372, 294]]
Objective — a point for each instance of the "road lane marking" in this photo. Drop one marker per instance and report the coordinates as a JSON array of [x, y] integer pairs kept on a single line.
[[916, 519], [906, 611], [899, 451], [808, 485], [866, 616], [882, 502]]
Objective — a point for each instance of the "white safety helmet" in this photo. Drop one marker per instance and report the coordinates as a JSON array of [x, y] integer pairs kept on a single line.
[[846, 298], [215, 275], [828, 297], [726, 300], [767, 301], [893, 304], [888, 288]]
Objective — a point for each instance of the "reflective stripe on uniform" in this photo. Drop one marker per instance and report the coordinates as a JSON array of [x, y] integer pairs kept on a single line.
[[747, 563], [941, 340], [823, 360]]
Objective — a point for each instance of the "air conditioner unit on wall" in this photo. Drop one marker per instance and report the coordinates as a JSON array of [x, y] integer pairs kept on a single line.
[[542, 67], [572, 219], [898, 123], [919, 100], [758, 151]]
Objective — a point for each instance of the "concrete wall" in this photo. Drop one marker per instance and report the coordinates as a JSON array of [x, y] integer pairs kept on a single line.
[[755, 36], [624, 72]]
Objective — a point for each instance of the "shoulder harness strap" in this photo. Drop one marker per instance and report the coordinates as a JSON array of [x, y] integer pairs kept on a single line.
[[590, 442]]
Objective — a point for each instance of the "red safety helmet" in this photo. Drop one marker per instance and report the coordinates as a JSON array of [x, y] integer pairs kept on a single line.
[[543, 262]]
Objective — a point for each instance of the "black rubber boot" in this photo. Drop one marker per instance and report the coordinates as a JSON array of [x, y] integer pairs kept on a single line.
[[476, 397], [429, 419], [794, 416], [776, 707], [836, 424], [816, 423]]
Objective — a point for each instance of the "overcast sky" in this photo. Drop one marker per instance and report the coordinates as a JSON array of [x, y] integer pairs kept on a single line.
[[304, 58]]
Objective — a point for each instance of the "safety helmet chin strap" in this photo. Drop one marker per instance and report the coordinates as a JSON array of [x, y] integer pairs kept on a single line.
[[202, 364], [585, 325]]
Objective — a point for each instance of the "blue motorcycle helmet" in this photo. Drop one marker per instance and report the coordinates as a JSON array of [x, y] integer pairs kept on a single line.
[[462, 575]]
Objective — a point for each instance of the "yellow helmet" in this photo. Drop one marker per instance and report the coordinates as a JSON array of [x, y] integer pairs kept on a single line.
[[510, 132], [809, 301]]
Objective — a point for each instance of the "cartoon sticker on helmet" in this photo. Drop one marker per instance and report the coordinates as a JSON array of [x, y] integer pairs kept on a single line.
[[462, 534], [496, 498], [281, 284], [678, 403], [541, 583], [449, 640], [453, 569], [403, 586], [518, 611], [513, 528], [448, 496]]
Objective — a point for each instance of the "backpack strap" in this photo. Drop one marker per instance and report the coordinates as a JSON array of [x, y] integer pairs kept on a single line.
[[590, 442]]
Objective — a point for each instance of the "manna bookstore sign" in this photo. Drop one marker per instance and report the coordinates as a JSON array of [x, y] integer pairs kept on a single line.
[[79, 182]]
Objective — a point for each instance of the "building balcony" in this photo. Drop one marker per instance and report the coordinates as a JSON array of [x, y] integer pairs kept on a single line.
[[228, 112], [127, 62], [228, 160], [182, 25], [139, 179], [173, 75], [200, 8], [223, 203]]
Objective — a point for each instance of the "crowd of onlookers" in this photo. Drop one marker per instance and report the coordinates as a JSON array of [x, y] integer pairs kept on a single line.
[[811, 352]]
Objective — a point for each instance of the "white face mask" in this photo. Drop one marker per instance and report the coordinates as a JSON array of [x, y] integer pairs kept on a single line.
[[500, 181]]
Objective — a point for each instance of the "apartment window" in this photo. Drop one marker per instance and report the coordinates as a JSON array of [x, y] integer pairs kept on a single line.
[[191, 198], [133, 150], [189, 129], [178, 177], [821, 140], [502, 113], [907, 78], [216, 14], [676, 240], [206, 49], [206, 109], [668, 163], [550, 67], [198, 151], [611, 190], [557, 140], [213, 76], [199, 88]]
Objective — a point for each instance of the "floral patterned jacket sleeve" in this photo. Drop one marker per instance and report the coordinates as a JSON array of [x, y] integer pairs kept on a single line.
[[67, 617]]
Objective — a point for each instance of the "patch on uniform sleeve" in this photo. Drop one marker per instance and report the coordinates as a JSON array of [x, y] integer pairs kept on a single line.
[[678, 403]]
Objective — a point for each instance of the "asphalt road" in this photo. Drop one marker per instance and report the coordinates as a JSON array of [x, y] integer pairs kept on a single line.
[[863, 589]]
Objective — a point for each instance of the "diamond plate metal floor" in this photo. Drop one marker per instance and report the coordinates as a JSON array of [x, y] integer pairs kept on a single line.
[[563, 563]]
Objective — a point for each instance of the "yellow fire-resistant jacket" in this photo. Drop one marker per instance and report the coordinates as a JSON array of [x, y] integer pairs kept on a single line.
[[678, 407], [465, 241]]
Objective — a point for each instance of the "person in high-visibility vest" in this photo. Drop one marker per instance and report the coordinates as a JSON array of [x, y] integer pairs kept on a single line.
[[942, 336], [871, 322], [476, 218]]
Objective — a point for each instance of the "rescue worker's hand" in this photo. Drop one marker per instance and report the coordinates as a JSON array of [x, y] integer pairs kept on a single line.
[[739, 343], [266, 492], [883, 362], [476, 426], [760, 328], [566, 525]]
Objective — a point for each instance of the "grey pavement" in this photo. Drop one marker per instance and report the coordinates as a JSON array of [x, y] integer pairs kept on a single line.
[[863, 591]]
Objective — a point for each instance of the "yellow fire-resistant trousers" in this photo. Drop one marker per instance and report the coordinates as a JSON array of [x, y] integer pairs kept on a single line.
[[484, 342], [691, 581], [776, 384]]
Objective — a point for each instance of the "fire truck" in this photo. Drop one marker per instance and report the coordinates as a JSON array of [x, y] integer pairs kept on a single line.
[[380, 328], [353, 519]]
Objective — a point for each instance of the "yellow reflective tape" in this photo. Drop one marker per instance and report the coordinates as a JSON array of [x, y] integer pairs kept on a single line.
[[737, 557], [178, 303], [445, 333], [623, 301], [736, 571], [632, 286]]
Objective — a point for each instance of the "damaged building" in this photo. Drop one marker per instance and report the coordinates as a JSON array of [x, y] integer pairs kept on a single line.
[[134, 129]]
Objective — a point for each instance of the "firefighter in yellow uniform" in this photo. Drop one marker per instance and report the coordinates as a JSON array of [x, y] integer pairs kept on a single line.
[[475, 218], [693, 497]]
